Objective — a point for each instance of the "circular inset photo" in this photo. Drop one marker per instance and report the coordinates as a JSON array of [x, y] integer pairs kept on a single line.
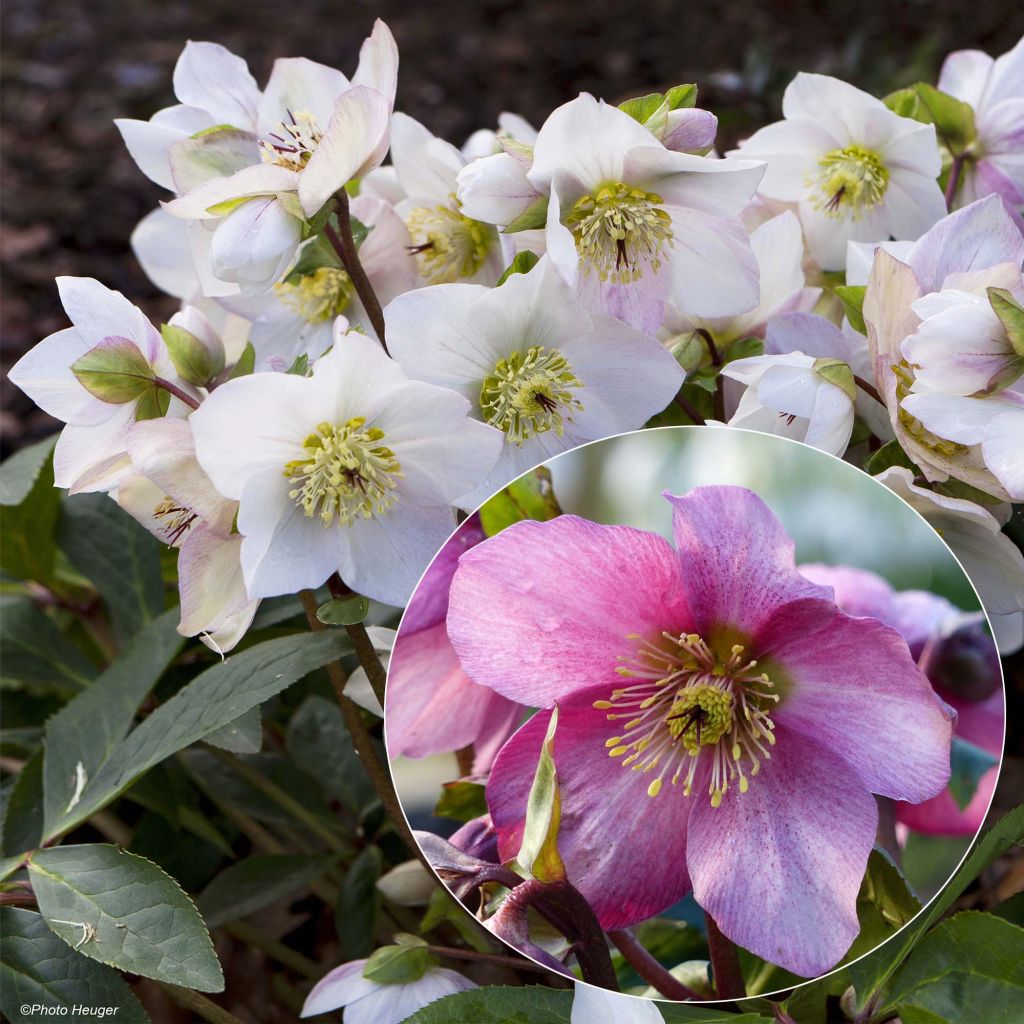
[[693, 713]]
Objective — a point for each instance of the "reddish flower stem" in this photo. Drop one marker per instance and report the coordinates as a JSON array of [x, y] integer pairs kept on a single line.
[[725, 963], [868, 389], [953, 183], [345, 246], [361, 642], [690, 411], [182, 396], [649, 968]]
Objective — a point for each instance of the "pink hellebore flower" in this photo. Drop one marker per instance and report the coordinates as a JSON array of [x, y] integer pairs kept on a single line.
[[929, 623], [757, 719], [432, 705], [995, 89]]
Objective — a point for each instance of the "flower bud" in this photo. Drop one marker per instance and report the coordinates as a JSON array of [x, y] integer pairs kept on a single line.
[[408, 885], [963, 661]]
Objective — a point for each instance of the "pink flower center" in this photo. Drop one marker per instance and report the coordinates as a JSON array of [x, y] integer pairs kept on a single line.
[[686, 703]]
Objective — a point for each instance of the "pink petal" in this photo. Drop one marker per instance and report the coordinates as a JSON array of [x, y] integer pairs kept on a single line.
[[544, 609], [854, 688], [624, 850], [779, 867], [737, 564]]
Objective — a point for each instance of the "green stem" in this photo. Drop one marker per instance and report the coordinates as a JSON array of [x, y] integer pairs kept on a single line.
[[516, 963], [361, 642]]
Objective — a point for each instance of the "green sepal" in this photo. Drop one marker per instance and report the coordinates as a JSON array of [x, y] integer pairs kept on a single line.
[[1011, 316], [222, 209], [523, 263], [642, 108], [300, 366], [246, 362], [115, 371], [314, 255], [534, 216], [837, 372], [400, 964], [213, 129], [521, 151], [153, 404], [192, 359], [681, 96], [904, 102], [344, 611], [538, 854], [852, 298], [953, 119]]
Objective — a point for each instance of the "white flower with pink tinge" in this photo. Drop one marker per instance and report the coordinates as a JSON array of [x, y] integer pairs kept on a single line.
[[628, 219], [854, 169]]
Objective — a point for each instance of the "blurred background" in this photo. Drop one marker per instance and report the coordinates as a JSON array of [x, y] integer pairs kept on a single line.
[[71, 195]]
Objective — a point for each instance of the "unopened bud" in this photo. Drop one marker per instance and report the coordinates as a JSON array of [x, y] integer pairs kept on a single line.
[[963, 661]]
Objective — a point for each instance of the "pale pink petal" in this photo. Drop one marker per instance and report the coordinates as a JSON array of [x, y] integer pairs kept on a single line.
[[965, 74], [690, 129]]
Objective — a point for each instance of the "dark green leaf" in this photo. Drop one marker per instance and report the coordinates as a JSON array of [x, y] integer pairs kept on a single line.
[[523, 263], [355, 913], [743, 348], [461, 801], [212, 700], [257, 882], [83, 734], [28, 550], [319, 742], [246, 362], [125, 912], [1012, 909], [316, 254], [118, 555], [115, 371], [969, 968], [19, 473], [953, 119], [23, 809], [968, 763], [37, 968], [890, 454], [532, 496], [242, 736], [300, 366], [884, 904], [35, 654]]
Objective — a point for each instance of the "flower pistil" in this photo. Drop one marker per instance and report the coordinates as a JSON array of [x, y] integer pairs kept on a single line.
[[448, 246], [294, 143], [851, 180]]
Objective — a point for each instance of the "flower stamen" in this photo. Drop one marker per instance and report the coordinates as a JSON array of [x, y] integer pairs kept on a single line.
[[849, 182], [294, 144], [448, 246], [318, 297]]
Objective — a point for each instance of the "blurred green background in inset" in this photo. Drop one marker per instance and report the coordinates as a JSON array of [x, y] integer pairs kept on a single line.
[[834, 512]]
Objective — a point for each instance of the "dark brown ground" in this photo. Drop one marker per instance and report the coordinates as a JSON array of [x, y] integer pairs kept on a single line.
[[71, 195]]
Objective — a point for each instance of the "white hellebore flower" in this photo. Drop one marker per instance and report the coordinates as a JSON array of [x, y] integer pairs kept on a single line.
[[944, 360], [627, 219], [315, 130], [372, 1002], [447, 245], [96, 376], [591, 1005], [854, 168], [992, 561], [352, 470], [533, 363], [995, 89], [778, 247], [174, 499]]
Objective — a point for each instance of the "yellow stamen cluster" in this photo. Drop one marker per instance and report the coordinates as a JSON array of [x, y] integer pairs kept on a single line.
[[448, 246], [685, 700], [320, 296], [530, 393], [849, 181], [293, 143], [620, 232], [179, 519], [346, 472], [914, 427]]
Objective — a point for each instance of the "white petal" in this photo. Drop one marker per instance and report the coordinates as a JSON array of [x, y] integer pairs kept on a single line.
[[385, 254], [257, 180], [253, 241], [212, 78], [965, 74], [149, 145], [160, 243], [297, 85], [495, 190], [99, 312], [914, 203], [1003, 450], [792, 150], [426, 166], [592, 1005], [210, 582], [378, 62], [94, 458], [354, 141]]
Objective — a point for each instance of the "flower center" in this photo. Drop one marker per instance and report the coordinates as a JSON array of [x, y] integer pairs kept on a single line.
[[619, 232], [293, 143], [178, 519], [447, 245], [530, 393], [319, 296], [914, 427], [850, 180], [346, 473], [687, 700]]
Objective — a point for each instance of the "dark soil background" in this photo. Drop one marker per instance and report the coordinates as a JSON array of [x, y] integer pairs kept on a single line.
[[71, 194]]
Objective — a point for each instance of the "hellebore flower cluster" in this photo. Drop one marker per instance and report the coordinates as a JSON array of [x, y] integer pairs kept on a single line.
[[722, 723]]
